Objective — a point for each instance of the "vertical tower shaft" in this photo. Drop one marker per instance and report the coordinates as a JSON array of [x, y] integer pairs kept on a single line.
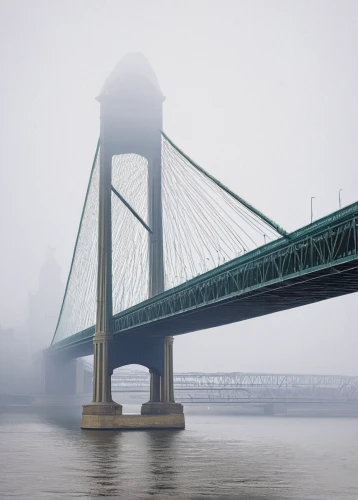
[[156, 258], [102, 377], [156, 255], [161, 388]]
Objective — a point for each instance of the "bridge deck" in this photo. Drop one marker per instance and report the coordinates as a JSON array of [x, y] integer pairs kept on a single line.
[[317, 262]]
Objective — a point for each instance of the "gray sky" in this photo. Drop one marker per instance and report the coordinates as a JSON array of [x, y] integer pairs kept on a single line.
[[263, 94]]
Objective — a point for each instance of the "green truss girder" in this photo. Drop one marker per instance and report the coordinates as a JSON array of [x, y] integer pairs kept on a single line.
[[306, 253], [323, 245]]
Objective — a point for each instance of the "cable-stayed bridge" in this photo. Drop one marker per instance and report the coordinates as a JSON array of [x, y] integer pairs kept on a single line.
[[164, 248]]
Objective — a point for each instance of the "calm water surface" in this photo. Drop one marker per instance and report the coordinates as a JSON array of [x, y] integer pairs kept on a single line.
[[248, 458]]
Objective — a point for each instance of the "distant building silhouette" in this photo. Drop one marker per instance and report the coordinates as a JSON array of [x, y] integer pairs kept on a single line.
[[7, 352], [21, 351], [44, 305]]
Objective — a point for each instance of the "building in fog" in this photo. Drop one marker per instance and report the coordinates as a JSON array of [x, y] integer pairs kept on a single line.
[[20, 353], [15, 367], [44, 305]]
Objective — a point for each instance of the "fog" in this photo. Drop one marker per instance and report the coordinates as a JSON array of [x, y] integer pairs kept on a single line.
[[262, 94]]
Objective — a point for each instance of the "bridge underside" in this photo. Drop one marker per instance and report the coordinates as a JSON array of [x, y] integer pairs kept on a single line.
[[136, 344], [300, 291]]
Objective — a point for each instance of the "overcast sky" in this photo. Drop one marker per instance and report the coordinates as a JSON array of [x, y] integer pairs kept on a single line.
[[263, 94]]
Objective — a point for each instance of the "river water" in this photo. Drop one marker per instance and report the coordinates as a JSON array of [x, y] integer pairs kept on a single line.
[[48, 456]]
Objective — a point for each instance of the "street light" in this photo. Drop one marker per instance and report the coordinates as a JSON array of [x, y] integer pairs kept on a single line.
[[339, 197], [312, 198]]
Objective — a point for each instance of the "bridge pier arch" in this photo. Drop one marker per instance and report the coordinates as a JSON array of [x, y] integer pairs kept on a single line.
[[156, 354]]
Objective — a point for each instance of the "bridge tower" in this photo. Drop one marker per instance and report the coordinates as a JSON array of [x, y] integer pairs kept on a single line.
[[130, 123]]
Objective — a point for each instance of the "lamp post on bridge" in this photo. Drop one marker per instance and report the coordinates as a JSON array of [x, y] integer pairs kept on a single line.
[[312, 198]]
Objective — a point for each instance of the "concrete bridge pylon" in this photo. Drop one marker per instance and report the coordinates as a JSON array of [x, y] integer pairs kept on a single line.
[[130, 123]]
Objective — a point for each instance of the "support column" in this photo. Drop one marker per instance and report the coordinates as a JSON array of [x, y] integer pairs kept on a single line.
[[156, 261], [102, 403], [155, 391], [166, 404], [168, 382], [162, 389], [101, 375]]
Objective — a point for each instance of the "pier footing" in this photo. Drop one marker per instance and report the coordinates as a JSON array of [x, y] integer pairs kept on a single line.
[[109, 416], [171, 421], [160, 408]]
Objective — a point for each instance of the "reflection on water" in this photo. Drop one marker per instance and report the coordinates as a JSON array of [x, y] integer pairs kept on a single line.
[[249, 458]]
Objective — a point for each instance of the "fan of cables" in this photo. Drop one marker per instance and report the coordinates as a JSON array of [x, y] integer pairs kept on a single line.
[[204, 224], [78, 310]]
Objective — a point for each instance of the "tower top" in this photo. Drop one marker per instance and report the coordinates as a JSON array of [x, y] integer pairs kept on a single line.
[[133, 71]]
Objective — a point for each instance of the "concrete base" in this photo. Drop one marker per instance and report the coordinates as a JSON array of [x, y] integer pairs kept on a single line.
[[102, 409], [109, 416], [162, 409], [133, 422], [93, 414]]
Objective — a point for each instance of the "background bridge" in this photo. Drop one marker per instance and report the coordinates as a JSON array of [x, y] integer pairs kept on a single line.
[[238, 387]]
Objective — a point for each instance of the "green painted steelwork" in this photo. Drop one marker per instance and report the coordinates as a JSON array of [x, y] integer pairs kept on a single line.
[[73, 340], [308, 251], [321, 247]]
